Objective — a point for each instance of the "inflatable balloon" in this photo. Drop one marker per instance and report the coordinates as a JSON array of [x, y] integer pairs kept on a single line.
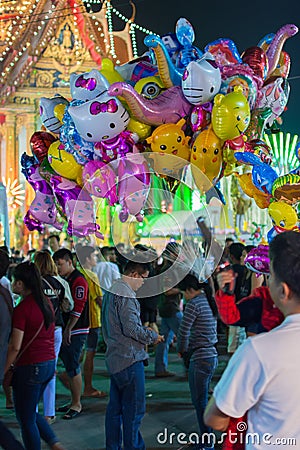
[[109, 71], [261, 199], [169, 140], [42, 209], [63, 162], [168, 73], [273, 52], [186, 36], [77, 205], [49, 108], [168, 107], [258, 123], [263, 175], [256, 59], [149, 87], [230, 114], [133, 185], [258, 259], [224, 51], [241, 75], [284, 218], [100, 181], [40, 142], [201, 80], [274, 95], [207, 156], [287, 188], [87, 86]]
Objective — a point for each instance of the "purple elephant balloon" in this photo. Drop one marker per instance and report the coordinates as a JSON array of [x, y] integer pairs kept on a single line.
[[77, 205], [42, 210], [134, 185], [258, 259], [100, 181]]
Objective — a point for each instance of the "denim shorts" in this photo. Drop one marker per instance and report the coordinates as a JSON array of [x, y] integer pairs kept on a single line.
[[70, 354], [92, 339]]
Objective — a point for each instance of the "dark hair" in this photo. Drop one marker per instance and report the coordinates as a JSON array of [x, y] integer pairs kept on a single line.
[[229, 239], [136, 266], [63, 253], [84, 252], [4, 263], [190, 281], [236, 250], [54, 236], [284, 252], [29, 274], [105, 251]]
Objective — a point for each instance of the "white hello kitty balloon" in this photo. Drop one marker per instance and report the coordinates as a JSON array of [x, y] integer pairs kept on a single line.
[[87, 86]]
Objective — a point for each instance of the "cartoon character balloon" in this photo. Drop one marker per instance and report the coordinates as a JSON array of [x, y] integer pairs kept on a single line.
[[63, 162], [263, 176], [230, 114], [133, 185], [87, 86], [258, 259], [284, 218], [42, 209], [274, 95], [201, 80], [49, 108], [40, 142], [170, 148], [100, 180], [77, 205], [207, 156]]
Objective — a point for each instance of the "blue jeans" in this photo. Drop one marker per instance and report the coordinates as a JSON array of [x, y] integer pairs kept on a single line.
[[200, 375], [126, 408], [29, 383], [169, 326]]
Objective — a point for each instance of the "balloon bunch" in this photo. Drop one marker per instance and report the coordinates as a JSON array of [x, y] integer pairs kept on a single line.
[[174, 106]]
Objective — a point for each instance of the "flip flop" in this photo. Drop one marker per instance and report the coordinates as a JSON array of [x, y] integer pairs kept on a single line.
[[71, 414], [96, 394], [63, 409]]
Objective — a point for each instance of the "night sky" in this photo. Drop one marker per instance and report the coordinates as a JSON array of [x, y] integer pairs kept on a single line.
[[243, 22]]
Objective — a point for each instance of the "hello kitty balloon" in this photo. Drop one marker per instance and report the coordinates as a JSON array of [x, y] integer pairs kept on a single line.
[[87, 86]]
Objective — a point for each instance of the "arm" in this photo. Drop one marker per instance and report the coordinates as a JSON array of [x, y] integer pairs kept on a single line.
[[186, 324], [131, 323], [14, 347], [213, 416]]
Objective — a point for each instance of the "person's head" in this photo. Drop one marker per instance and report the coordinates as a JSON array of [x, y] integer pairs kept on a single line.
[[284, 251], [113, 255], [30, 254], [27, 281], [4, 263], [44, 262], [63, 259], [86, 255], [235, 252], [171, 252], [105, 252], [53, 242], [228, 242], [135, 273], [245, 252], [192, 287]]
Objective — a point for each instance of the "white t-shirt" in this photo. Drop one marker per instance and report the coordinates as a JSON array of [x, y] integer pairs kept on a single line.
[[107, 272], [263, 378]]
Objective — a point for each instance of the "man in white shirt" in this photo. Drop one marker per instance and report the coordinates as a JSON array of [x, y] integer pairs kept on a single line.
[[262, 377], [106, 271]]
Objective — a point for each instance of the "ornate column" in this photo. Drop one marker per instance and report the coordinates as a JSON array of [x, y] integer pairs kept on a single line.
[[30, 125], [11, 146]]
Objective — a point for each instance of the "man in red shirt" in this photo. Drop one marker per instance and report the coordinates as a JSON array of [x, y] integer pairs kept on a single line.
[[76, 330]]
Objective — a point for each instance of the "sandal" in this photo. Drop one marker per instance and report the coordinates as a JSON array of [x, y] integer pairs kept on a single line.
[[95, 394], [71, 414], [63, 409]]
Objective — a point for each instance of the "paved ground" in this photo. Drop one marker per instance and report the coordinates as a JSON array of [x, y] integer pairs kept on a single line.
[[169, 409]]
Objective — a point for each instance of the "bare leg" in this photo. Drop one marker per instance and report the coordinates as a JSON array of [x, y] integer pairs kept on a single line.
[[88, 369], [76, 386]]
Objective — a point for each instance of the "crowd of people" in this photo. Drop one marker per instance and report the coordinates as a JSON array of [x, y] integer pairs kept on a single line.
[[58, 301]]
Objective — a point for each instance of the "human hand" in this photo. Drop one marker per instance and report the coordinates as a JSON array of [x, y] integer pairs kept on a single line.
[[159, 339], [226, 280], [66, 337]]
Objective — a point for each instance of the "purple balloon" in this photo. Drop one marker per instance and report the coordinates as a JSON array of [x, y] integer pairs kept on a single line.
[[77, 205], [134, 185], [42, 209], [258, 259], [100, 181]]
